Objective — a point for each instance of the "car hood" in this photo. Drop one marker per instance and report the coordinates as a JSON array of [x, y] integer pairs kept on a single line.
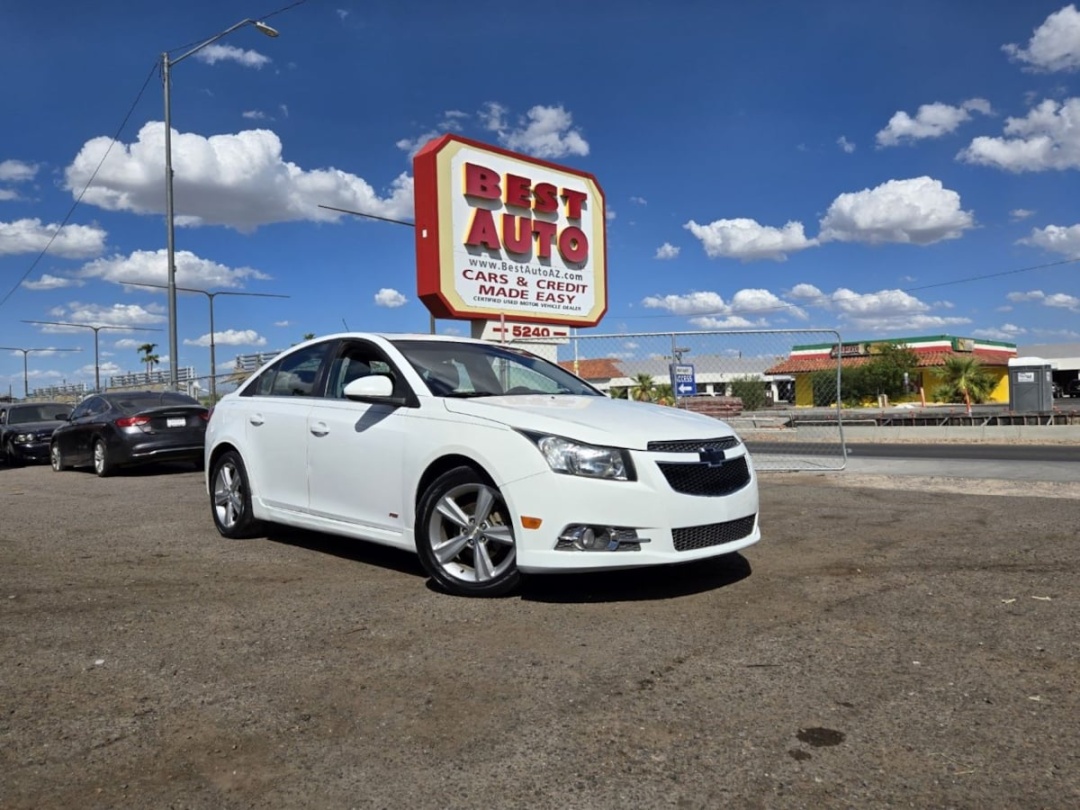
[[33, 427], [594, 420]]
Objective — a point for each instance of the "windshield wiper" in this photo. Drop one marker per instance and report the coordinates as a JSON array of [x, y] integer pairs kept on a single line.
[[470, 394]]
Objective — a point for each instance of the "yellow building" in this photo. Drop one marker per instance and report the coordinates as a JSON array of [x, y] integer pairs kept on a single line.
[[932, 352]]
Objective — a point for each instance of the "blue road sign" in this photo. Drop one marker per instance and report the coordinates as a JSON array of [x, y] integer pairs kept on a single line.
[[682, 379]]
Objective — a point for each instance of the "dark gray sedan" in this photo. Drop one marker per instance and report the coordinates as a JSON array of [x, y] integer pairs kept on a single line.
[[25, 430], [107, 431]]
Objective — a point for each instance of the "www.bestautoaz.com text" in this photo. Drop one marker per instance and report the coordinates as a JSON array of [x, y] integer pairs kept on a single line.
[[500, 282]]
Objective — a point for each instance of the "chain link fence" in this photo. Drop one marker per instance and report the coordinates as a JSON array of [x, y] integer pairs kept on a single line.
[[723, 374]]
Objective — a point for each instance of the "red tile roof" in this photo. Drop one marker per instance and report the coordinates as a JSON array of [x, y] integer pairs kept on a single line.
[[596, 368], [806, 363]]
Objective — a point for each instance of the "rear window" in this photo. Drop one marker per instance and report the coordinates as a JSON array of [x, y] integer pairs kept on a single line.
[[142, 402]]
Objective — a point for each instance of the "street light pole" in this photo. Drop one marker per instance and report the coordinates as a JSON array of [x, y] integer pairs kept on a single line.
[[210, 296], [25, 372], [97, 364], [170, 247]]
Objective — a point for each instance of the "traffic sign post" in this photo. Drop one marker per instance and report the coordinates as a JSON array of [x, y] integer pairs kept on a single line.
[[683, 381]]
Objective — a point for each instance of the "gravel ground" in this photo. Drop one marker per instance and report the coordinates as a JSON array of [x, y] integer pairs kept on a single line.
[[883, 646]]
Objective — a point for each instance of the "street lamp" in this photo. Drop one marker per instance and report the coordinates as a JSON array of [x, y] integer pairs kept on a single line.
[[211, 296], [166, 66], [97, 366], [25, 352]]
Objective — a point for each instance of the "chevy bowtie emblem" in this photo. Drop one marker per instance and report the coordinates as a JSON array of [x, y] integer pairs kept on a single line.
[[712, 457]]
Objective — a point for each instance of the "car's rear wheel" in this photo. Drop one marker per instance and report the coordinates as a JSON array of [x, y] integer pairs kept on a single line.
[[230, 498], [56, 458], [465, 536], [103, 466]]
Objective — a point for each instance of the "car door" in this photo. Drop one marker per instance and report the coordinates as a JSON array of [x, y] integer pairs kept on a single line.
[[356, 449], [277, 428], [78, 438]]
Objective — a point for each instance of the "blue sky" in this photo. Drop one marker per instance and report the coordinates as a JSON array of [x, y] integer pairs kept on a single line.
[[780, 165]]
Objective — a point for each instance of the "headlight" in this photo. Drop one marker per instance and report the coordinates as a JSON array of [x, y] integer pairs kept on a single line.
[[574, 458], [22, 438]]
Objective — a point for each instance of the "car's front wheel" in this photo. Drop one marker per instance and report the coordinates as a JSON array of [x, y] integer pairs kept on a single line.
[[230, 498], [56, 458], [465, 536], [12, 455]]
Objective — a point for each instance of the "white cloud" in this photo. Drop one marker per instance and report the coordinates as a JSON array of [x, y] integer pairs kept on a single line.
[[230, 337], [1007, 331], [151, 267], [450, 122], [342, 13], [1018, 214], [284, 110], [918, 211], [30, 236], [1057, 300], [50, 282], [845, 144], [387, 297], [122, 315], [129, 343], [639, 201], [726, 315], [1048, 138], [7, 194], [241, 181], [254, 115], [930, 121], [212, 54], [747, 240], [730, 322], [544, 132], [282, 323], [17, 171], [885, 310], [1054, 46], [609, 213], [1056, 239], [666, 251], [104, 369], [694, 303]]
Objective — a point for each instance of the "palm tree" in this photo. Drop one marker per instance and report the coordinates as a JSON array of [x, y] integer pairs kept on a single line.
[[964, 379], [663, 394], [148, 357], [643, 388]]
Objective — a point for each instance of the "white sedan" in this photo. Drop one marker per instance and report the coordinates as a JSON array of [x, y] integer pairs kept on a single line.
[[486, 460]]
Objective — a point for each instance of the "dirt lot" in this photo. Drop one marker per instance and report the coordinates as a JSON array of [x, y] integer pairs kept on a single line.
[[883, 646]]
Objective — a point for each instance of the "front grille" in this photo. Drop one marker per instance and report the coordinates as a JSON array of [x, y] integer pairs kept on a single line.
[[693, 445], [701, 479], [713, 534]]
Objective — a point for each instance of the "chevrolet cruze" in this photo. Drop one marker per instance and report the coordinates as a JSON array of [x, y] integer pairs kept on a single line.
[[484, 459]]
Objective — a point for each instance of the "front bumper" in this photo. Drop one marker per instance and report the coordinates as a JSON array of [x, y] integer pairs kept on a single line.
[[37, 450], [715, 525]]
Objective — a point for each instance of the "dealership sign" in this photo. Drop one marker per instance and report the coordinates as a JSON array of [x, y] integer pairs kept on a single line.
[[500, 234]]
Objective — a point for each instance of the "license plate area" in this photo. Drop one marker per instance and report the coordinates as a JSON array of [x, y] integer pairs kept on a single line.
[[175, 421]]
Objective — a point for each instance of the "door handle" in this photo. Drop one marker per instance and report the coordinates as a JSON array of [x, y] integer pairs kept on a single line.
[[256, 419], [320, 429]]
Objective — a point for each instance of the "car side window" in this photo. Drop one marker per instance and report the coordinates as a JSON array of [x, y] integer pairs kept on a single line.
[[263, 383], [297, 372], [356, 360], [80, 410]]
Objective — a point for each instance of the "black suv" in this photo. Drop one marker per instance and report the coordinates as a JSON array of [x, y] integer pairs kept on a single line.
[[26, 429]]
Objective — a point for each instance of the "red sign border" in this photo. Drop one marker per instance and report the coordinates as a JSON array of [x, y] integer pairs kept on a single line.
[[426, 218]]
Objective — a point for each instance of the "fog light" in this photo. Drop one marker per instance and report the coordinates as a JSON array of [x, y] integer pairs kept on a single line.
[[578, 537]]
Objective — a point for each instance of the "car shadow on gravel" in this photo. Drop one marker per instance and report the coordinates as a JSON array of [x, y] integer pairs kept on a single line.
[[359, 551], [632, 585], [637, 584]]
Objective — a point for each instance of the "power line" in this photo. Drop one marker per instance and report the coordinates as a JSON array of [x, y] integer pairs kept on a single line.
[[78, 199]]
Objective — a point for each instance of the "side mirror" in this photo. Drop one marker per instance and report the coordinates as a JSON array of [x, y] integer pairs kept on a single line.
[[375, 388]]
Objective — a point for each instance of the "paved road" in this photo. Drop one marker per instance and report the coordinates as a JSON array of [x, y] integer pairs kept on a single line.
[[1000, 462]]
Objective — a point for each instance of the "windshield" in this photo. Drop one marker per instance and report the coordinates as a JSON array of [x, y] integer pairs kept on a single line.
[[452, 369], [41, 412]]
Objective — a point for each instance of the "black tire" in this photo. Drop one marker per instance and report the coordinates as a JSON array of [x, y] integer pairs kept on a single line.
[[103, 466], [471, 555], [230, 498], [11, 456], [56, 458]]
